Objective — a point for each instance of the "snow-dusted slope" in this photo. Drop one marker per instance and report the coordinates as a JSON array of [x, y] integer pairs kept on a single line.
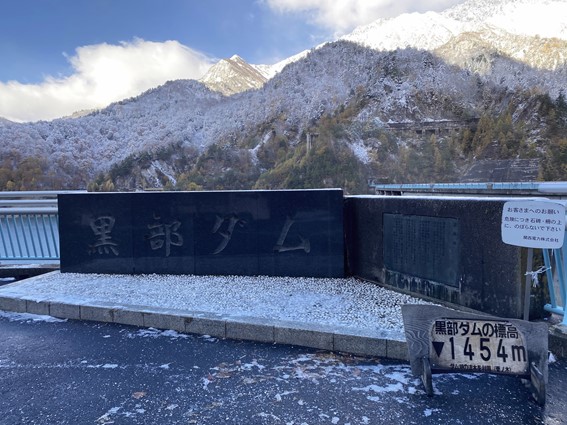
[[455, 67], [542, 18], [187, 113], [513, 27], [269, 71], [234, 75], [172, 113]]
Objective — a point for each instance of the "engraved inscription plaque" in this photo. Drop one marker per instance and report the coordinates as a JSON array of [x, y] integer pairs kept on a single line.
[[421, 246], [265, 232]]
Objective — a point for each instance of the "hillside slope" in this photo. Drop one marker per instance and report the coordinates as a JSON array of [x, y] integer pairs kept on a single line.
[[343, 112]]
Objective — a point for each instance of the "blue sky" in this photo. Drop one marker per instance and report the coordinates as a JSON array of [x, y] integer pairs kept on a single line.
[[60, 56], [35, 35]]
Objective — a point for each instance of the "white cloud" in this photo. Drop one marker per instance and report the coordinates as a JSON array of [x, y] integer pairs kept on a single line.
[[342, 16], [103, 74]]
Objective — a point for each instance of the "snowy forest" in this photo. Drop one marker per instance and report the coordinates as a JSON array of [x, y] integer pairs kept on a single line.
[[346, 112]]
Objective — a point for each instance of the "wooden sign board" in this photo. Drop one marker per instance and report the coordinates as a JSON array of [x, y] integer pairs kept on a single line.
[[441, 340], [491, 346]]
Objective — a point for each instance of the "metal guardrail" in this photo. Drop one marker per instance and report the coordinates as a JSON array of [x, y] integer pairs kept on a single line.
[[29, 229], [26, 235], [556, 269], [493, 188]]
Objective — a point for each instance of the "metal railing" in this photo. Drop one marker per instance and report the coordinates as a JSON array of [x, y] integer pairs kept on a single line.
[[29, 234], [493, 188], [556, 269], [29, 229]]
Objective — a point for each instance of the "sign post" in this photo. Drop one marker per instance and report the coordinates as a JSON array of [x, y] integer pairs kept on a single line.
[[538, 224], [441, 340]]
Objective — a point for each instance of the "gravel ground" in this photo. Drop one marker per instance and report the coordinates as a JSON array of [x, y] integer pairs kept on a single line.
[[338, 302]]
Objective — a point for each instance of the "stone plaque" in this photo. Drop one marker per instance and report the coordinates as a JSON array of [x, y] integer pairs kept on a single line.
[[426, 247], [226, 228], [276, 233], [95, 233], [299, 233], [162, 233]]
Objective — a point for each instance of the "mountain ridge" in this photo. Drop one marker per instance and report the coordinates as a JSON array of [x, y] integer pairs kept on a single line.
[[500, 23], [234, 75], [334, 106]]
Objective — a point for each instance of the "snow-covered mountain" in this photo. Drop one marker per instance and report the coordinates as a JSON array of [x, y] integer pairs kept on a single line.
[[541, 18], [533, 32], [431, 30], [270, 71], [418, 68], [234, 75], [4, 121]]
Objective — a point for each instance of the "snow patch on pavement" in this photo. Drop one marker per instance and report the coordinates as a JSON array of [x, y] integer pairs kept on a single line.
[[27, 317], [156, 333]]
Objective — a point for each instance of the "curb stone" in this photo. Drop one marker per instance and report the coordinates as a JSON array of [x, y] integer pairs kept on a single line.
[[347, 340], [362, 342]]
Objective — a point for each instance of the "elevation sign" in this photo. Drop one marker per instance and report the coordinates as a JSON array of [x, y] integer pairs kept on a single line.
[[478, 346]]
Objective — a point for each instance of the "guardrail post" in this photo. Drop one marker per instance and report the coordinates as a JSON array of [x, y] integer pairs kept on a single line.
[[556, 271]]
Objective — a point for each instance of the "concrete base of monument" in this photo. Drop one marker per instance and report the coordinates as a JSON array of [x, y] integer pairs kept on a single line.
[[343, 315]]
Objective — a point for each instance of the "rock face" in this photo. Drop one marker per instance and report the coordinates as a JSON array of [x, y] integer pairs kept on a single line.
[[502, 170], [234, 75]]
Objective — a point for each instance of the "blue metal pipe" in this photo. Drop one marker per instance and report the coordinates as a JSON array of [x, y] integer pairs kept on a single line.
[[556, 310], [549, 274]]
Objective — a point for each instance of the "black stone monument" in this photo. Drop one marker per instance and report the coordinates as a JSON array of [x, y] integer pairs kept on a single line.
[[274, 233]]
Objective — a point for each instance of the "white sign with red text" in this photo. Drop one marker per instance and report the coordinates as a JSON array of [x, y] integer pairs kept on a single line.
[[533, 224]]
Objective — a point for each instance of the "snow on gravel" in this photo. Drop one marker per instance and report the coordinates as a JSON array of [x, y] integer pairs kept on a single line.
[[345, 302]]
